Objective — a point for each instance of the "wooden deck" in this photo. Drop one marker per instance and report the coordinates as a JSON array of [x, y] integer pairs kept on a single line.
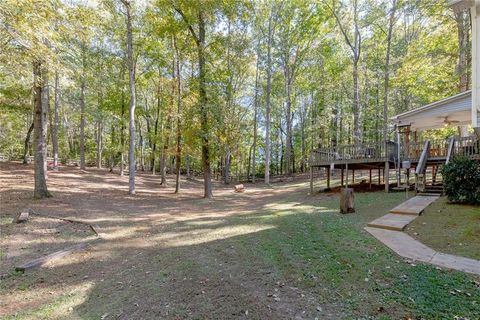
[[366, 156], [384, 157]]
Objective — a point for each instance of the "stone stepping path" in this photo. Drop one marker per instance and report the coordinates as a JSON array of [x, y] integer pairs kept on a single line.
[[391, 221], [415, 205], [388, 230], [409, 248], [400, 216]]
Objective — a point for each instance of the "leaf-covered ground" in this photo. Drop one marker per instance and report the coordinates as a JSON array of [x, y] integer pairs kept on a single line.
[[273, 253]]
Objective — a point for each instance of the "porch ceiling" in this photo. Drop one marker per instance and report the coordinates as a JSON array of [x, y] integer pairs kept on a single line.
[[451, 111]]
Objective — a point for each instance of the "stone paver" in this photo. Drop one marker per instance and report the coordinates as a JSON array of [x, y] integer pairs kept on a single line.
[[414, 206], [403, 244], [388, 230], [391, 221], [409, 248], [456, 262]]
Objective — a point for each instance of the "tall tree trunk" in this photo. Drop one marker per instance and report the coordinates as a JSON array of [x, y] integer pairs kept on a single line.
[[203, 107], [387, 72], [357, 130], [157, 118], [288, 139], [303, 138], [26, 156], [82, 124], [179, 117], [202, 97], [255, 116], [249, 168], [163, 156], [54, 130], [99, 143], [267, 102], [355, 47], [187, 165], [40, 88], [164, 160], [131, 74], [111, 156], [122, 137], [227, 166], [141, 142], [99, 137], [463, 21]]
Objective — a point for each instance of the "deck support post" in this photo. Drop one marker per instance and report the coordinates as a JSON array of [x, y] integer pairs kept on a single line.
[[346, 177], [328, 177], [370, 176], [379, 176], [341, 183], [311, 180], [353, 176], [386, 176]]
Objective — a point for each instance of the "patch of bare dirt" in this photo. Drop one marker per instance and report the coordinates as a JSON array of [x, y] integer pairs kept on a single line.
[[163, 256]]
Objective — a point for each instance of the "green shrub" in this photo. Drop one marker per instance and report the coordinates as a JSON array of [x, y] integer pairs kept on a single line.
[[461, 178]]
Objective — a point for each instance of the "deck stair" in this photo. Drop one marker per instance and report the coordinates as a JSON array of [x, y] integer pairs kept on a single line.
[[399, 217]]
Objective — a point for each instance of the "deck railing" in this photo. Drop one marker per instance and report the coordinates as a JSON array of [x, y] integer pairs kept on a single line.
[[438, 149], [412, 150], [353, 153], [467, 147]]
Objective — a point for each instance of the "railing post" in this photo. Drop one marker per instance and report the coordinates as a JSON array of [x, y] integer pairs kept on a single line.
[[311, 180], [386, 176], [328, 177]]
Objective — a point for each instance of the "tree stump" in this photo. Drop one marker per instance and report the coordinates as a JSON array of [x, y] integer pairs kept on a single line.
[[346, 200], [22, 216], [239, 188]]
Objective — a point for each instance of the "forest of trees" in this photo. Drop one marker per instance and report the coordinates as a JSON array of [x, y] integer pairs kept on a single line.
[[227, 89]]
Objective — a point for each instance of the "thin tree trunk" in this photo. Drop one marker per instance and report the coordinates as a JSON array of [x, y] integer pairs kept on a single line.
[[179, 117], [357, 133], [387, 72], [141, 142], [54, 129], [26, 156], [249, 168], [82, 124], [99, 143], [40, 88], [255, 111], [168, 128], [203, 107], [111, 156], [154, 148], [227, 166], [131, 73], [122, 137], [462, 19], [288, 138], [355, 47], [268, 93], [99, 139], [187, 165]]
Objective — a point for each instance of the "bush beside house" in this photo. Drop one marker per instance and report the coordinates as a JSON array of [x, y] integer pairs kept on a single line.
[[461, 178]]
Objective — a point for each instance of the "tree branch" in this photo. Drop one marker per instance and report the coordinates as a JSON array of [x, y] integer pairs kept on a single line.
[[190, 28]]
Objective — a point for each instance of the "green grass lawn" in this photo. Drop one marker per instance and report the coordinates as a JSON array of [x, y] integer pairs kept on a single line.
[[333, 255], [449, 228]]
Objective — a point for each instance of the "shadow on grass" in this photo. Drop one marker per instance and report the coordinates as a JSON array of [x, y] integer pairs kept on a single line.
[[286, 258]]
